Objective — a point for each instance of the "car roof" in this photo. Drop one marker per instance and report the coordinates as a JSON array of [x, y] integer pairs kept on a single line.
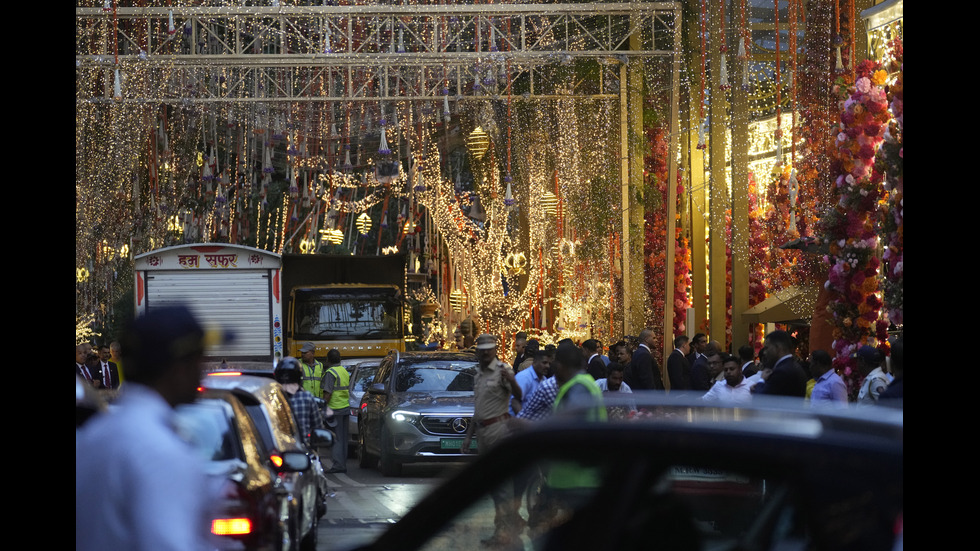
[[438, 355], [264, 391], [825, 450]]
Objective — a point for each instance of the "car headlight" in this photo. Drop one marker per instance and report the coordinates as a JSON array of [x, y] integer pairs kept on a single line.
[[405, 416]]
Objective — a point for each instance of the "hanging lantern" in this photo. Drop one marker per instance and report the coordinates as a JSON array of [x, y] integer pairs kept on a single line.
[[363, 223], [456, 300], [515, 263], [549, 202], [335, 237], [477, 143], [307, 246]]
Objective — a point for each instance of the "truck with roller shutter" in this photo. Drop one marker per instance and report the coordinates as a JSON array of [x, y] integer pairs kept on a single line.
[[233, 288]]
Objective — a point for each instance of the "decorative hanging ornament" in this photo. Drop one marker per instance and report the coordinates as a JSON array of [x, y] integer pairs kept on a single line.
[[838, 44], [171, 28], [117, 86], [702, 134], [401, 38], [363, 223], [383, 149], [794, 187], [508, 196], [724, 71], [478, 142], [446, 115]]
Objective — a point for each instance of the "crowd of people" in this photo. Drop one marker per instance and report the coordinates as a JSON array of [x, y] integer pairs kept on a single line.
[[543, 379]]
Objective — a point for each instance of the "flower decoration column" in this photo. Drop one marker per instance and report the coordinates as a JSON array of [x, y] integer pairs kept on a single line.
[[849, 227]]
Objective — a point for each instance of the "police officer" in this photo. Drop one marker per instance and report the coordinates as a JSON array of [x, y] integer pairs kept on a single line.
[[336, 393]]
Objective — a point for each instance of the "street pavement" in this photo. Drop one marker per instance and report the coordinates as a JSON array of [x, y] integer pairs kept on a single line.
[[362, 502]]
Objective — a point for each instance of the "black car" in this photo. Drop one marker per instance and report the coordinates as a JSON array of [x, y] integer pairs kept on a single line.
[[253, 511], [679, 476], [268, 407], [417, 409]]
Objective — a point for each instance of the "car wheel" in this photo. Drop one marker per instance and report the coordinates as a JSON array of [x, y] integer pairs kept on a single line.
[[308, 543], [390, 466], [364, 459]]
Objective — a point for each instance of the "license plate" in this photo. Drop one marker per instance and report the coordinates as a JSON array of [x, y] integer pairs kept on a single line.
[[455, 443]]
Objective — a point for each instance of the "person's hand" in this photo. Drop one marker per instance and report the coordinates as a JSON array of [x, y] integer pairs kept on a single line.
[[329, 413], [465, 447]]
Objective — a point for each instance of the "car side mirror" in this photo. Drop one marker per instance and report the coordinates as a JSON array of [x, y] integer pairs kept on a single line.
[[294, 462], [377, 388], [322, 438]]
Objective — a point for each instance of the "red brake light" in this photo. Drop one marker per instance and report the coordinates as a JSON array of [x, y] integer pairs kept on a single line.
[[231, 526], [225, 374]]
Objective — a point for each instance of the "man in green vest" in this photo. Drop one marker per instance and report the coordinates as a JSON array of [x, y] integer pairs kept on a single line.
[[336, 393], [569, 484], [312, 369]]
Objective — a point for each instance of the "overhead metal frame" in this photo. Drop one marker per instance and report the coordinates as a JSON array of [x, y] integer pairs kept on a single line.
[[358, 53]]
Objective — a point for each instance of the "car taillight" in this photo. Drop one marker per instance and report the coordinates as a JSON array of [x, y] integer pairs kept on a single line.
[[235, 516], [231, 526]]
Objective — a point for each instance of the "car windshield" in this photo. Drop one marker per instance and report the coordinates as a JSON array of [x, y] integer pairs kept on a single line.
[[435, 376], [357, 313], [206, 424]]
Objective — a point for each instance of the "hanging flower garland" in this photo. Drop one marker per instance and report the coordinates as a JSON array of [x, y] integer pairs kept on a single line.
[[654, 249], [758, 259], [849, 227], [889, 162], [682, 271]]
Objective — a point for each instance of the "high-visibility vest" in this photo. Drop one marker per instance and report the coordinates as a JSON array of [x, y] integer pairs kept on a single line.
[[596, 412], [340, 398], [570, 475], [311, 378]]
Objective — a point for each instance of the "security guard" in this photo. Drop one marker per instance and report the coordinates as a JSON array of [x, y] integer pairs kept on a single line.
[[336, 393], [312, 370]]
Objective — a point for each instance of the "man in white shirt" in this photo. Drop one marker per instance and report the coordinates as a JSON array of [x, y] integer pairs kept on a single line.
[[614, 384], [530, 379], [137, 482], [735, 389], [875, 379]]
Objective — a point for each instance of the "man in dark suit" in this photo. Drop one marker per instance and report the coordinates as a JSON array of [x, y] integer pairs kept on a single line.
[[81, 368], [644, 373], [701, 376], [109, 369], [596, 367], [678, 370], [788, 377]]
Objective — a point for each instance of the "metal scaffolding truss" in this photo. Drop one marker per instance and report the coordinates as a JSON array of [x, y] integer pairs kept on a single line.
[[368, 53]]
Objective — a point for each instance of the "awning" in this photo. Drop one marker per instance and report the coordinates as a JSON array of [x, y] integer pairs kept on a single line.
[[792, 304]]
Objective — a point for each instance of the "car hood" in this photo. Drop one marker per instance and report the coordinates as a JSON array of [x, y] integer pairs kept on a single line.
[[435, 402]]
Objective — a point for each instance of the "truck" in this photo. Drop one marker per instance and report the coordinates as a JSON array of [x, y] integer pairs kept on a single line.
[[231, 288], [355, 304], [352, 303]]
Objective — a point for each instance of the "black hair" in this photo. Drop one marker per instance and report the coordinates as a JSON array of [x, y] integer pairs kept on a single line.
[[333, 356], [746, 353]]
